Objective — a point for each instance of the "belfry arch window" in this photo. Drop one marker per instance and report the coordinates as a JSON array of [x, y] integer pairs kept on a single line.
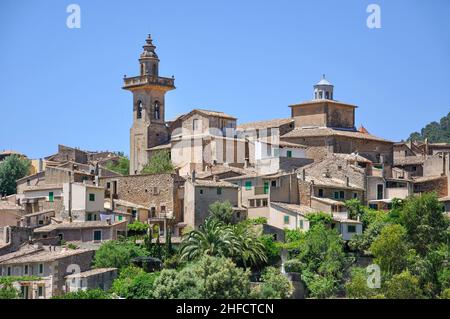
[[157, 111], [139, 110]]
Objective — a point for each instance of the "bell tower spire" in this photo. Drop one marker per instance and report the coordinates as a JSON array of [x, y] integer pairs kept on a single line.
[[149, 90]]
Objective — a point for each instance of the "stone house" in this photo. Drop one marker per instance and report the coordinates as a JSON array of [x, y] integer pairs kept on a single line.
[[37, 219], [161, 194], [10, 213], [199, 194], [89, 231], [82, 202], [50, 264], [99, 278]]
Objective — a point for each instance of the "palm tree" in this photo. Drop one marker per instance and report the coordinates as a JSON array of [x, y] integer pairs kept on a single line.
[[214, 238]]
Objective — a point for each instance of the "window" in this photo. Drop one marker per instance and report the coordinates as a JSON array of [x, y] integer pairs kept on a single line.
[[163, 209], [248, 185], [273, 183], [95, 216], [97, 235], [264, 202], [61, 237], [153, 211], [320, 94], [252, 203], [380, 191], [25, 270], [355, 195], [373, 206], [289, 153], [119, 218], [219, 191], [341, 194], [268, 150], [301, 224], [320, 192], [201, 191], [351, 229], [50, 197], [108, 185], [336, 195], [92, 197], [89, 217], [139, 110], [258, 203], [286, 219], [195, 125], [327, 95], [266, 187], [157, 112], [133, 213], [8, 271], [41, 269]]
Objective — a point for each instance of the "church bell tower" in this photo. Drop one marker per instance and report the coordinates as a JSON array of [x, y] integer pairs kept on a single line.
[[149, 128]]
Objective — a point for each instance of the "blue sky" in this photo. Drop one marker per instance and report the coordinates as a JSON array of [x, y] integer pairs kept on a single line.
[[248, 58]]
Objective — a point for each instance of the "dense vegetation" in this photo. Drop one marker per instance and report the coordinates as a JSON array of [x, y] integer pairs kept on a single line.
[[435, 132], [122, 166], [12, 169], [159, 163]]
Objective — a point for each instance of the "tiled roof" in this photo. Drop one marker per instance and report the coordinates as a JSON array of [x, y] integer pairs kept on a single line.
[[265, 124], [352, 157], [43, 255], [42, 187], [210, 113], [212, 183], [332, 182], [40, 213], [328, 131], [299, 209], [328, 201], [76, 225], [409, 160], [423, 179], [91, 272], [4, 204]]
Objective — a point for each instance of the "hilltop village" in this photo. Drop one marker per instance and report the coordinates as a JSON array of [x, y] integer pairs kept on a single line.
[[279, 171]]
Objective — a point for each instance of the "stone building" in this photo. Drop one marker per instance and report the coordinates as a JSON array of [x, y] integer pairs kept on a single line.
[[161, 194], [49, 264], [199, 194], [99, 278]]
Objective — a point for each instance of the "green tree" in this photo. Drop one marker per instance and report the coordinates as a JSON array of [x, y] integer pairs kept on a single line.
[[134, 283], [435, 132], [137, 228], [214, 238], [274, 285], [7, 291], [222, 211], [208, 278], [122, 166], [403, 286], [85, 294], [361, 242], [425, 225], [12, 169], [117, 254], [390, 249], [159, 163], [357, 286], [320, 218]]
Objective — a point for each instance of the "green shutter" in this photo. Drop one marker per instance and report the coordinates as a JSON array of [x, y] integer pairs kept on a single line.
[[248, 185], [266, 187], [286, 219], [92, 197], [289, 153], [120, 218], [50, 196]]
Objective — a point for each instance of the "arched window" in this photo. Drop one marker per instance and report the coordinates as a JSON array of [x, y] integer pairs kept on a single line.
[[327, 95], [139, 110], [157, 112], [155, 71]]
